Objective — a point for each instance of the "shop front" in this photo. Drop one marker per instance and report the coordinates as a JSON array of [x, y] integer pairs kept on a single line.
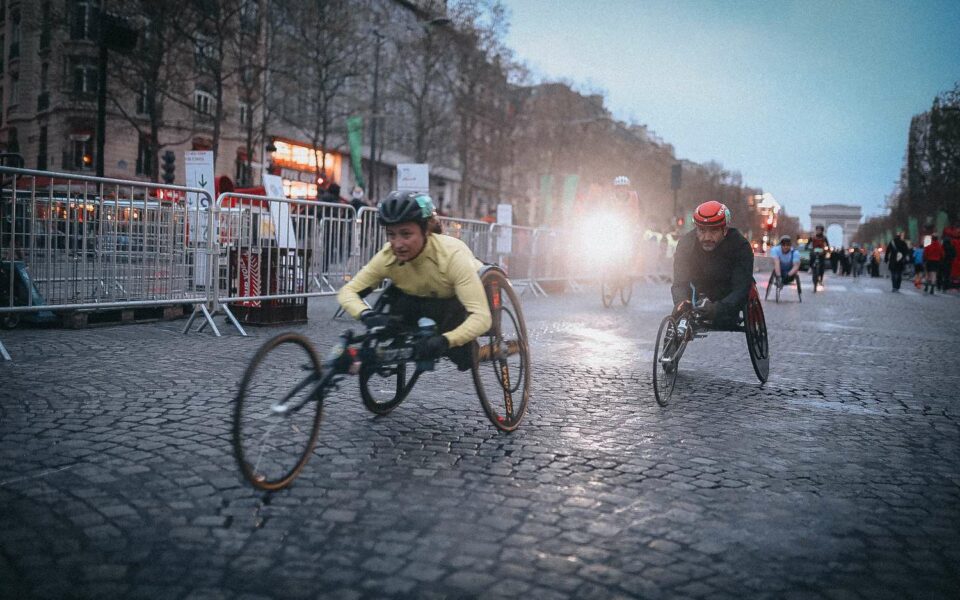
[[296, 163]]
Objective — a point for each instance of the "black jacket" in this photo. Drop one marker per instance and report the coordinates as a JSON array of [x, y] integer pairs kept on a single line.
[[890, 256], [724, 275]]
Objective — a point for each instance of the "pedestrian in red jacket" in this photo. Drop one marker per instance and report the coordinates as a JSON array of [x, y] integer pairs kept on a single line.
[[932, 255]]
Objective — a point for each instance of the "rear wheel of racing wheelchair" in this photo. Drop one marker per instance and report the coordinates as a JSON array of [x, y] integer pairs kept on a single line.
[[755, 327], [607, 292], [626, 291], [277, 411], [384, 388], [664, 365], [501, 357]]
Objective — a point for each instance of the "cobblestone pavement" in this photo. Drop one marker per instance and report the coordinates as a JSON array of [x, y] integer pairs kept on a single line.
[[840, 478]]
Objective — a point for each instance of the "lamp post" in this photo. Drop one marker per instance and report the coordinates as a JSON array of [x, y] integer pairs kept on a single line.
[[372, 183]]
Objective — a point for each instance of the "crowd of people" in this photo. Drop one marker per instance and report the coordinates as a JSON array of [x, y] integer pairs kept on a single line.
[[932, 262]]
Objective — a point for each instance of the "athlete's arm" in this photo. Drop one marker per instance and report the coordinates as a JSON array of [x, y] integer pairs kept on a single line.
[[681, 273], [741, 278], [469, 291], [369, 276]]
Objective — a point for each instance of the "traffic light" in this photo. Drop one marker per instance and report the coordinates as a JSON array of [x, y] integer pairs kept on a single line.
[[169, 167], [680, 222]]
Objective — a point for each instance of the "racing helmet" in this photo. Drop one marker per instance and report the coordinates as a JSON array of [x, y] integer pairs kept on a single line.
[[621, 181], [711, 214], [404, 207]]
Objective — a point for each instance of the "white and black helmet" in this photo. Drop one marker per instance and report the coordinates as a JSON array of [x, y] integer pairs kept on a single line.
[[621, 181], [404, 207]]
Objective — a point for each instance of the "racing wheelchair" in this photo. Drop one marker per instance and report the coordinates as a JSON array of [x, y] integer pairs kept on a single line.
[[278, 408], [687, 323], [777, 284]]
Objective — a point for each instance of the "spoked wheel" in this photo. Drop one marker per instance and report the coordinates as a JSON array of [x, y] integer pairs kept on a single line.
[[277, 411], [776, 295], [384, 388], [665, 360], [756, 329], [501, 357], [607, 292], [626, 291]]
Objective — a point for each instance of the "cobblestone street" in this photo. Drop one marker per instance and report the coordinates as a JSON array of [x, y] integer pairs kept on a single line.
[[839, 478]]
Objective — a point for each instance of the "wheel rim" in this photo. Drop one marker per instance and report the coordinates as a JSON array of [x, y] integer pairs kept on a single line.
[[606, 292], [276, 418], [501, 361], [757, 342], [665, 378], [385, 388]]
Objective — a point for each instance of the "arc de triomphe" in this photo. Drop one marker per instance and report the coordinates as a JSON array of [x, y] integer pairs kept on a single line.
[[847, 216]]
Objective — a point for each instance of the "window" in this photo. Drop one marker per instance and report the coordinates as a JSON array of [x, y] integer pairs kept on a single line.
[[84, 72], [142, 108], [81, 152], [43, 100], [15, 35], [83, 22], [14, 89], [45, 25], [42, 151], [244, 113], [145, 158], [203, 50], [203, 102]]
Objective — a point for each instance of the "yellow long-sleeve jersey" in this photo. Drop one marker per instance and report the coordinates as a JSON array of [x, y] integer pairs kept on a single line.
[[445, 268]]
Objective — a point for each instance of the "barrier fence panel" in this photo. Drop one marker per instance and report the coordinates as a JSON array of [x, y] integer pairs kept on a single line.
[[271, 254], [515, 249], [475, 234], [91, 242]]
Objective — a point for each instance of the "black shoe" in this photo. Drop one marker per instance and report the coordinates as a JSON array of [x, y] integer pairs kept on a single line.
[[462, 356]]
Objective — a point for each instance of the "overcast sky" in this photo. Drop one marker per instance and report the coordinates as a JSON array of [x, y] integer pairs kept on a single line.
[[810, 100]]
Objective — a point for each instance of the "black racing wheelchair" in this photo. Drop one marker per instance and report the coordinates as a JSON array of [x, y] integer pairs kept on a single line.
[[688, 323], [279, 405]]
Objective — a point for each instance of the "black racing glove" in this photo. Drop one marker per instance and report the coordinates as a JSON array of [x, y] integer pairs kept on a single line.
[[432, 347], [708, 311], [373, 319]]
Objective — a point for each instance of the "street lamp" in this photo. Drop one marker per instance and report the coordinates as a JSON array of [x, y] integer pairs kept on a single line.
[[372, 184]]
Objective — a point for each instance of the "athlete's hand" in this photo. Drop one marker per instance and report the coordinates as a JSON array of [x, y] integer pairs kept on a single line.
[[708, 310], [432, 347], [372, 319]]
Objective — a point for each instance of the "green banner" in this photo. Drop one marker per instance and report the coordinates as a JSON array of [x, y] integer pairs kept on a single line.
[[546, 198], [570, 183], [942, 221], [355, 137], [913, 227]]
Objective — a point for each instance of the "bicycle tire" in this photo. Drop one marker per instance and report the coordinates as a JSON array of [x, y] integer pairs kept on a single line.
[[372, 399], [626, 292], [607, 293], [664, 378], [492, 367], [263, 410], [755, 327]]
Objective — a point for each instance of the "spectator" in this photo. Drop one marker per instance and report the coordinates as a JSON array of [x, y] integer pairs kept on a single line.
[[949, 255], [896, 256], [917, 265], [932, 257]]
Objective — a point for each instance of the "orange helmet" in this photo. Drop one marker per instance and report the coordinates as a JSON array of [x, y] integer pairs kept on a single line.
[[711, 214]]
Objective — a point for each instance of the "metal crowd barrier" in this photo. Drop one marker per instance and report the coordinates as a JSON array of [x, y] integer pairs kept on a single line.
[[74, 242], [475, 234], [271, 254]]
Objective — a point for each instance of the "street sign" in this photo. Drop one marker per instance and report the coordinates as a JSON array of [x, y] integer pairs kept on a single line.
[[505, 237], [413, 177], [199, 169], [280, 212]]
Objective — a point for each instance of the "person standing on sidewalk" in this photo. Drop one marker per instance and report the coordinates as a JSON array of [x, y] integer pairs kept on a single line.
[[949, 244], [895, 257], [932, 257]]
